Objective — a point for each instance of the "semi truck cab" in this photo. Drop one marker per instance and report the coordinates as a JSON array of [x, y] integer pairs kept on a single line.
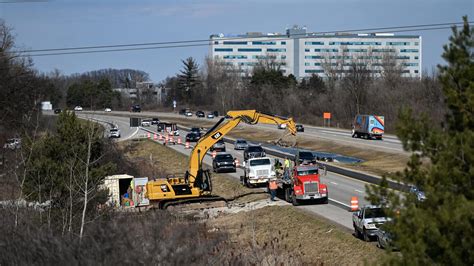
[[304, 185]]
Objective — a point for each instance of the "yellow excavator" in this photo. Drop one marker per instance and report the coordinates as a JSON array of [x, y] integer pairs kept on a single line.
[[195, 185]]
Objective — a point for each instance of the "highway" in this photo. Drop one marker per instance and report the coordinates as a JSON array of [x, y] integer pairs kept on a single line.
[[341, 188], [390, 143]]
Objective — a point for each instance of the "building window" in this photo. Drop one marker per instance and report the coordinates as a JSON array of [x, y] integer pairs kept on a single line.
[[416, 57], [327, 50], [355, 43], [312, 57], [314, 43], [223, 49], [264, 57], [313, 71], [249, 50], [409, 51], [306, 64], [235, 43], [317, 64], [276, 50], [306, 50], [283, 57], [410, 64], [263, 43], [216, 42], [383, 50], [417, 43], [283, 43], [416, 71], [235, 57], [355, 50], [398, 43], [404, 57]]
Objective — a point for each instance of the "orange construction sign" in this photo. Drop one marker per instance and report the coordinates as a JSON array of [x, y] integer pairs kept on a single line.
[[327, 115]]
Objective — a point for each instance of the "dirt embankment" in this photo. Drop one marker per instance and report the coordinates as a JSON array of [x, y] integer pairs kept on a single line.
[[308, 237]]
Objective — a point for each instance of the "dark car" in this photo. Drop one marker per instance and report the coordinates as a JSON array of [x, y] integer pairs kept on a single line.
[[218, 146], [215, 113], [254, 152], [200, 114], [136, 108], [299, 128], [57, 111], [306, 157], [182, 111], [193, 137], [155, 121], [223, 162], [196, 130]]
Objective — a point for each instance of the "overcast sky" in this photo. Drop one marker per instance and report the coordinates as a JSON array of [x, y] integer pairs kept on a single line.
[[73, 23]]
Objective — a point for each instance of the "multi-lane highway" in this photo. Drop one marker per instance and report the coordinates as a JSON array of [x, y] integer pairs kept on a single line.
[[341, 188]]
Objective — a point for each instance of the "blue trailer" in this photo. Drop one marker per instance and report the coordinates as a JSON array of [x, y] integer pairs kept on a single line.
[[368, 126]]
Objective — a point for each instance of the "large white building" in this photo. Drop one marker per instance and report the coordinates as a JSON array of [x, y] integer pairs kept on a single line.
[[302, 54]]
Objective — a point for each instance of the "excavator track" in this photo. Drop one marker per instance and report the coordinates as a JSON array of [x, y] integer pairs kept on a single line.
[[197, 203]]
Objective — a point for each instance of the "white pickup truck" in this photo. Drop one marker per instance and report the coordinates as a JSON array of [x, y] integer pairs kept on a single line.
[[257, 171], [367, 220]]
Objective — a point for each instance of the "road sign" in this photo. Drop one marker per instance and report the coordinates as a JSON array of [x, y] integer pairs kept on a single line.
[[327, 115], [174, 103], [134, 122]]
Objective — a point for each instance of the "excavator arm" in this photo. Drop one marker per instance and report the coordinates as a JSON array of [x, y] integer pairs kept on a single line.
[[195, 173]]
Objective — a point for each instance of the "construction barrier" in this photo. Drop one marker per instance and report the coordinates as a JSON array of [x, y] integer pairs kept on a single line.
[[214, 153], [155, 137], [179, 140], [187, 145], [160, 138], [148, 135], [171, 139], [354, 204]]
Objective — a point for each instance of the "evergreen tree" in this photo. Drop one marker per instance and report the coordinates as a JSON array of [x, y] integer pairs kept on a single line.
[[188, 82], [438, 230]]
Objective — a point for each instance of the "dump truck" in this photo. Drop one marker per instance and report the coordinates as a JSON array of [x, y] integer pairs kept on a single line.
[[368, 126], [303, 184], [257, 171]]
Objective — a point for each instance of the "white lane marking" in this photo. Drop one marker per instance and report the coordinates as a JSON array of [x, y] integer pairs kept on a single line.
[[333, 183], [359, 191], [344, 204], [132, 135]]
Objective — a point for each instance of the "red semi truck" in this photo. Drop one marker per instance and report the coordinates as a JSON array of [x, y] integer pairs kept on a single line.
[[303, 184]]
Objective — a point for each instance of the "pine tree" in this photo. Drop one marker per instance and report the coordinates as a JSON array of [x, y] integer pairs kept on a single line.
[[438, 230], [189, 82]]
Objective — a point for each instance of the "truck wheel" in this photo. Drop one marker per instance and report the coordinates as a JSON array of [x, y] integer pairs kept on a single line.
[[325, 200], [294, 201]]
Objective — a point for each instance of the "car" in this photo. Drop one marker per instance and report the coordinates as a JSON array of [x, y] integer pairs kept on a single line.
[[368, 220], [384, 238], [114, 133], [78, 108], [146, 123], [218, 146], [254, 152], [419, 194], [188, 113], [215, 113], [108, 110], [57, 111], [210, 115], [223, 162], [200, 114], [155, 121], [182, 111], [240, 144], [136, 108], [281, 126], [12, 144], [306, 157], [299, 128], [193, 136], [196, 129]]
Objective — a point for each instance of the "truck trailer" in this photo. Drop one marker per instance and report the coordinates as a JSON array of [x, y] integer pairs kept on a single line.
[[368, 126]]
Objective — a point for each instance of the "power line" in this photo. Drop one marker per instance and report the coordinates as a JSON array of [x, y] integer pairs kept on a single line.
[[203, 44], [308, 35]]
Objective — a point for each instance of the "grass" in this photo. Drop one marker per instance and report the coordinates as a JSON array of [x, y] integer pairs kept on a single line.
[[313, 239]]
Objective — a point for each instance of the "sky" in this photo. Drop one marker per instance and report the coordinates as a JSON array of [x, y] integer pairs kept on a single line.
[[75, 23]]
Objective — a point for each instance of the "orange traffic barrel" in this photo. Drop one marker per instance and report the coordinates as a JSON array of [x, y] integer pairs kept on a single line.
[[187, 145], [354, 204]]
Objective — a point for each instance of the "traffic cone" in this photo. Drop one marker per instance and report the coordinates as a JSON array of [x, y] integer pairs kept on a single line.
[[179, 141], [171, 139], [160, 138], [237, 164], [214, 153], [354, 204], [148, 135], [155, 137], [187, 145]]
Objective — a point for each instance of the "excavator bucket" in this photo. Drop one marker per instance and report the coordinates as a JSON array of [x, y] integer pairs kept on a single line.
[[286, 140]]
